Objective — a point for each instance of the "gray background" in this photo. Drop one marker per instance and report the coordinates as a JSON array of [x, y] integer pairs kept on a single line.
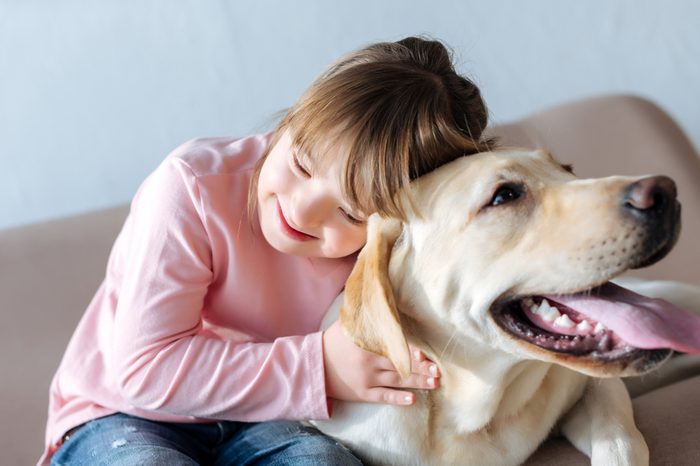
[[93, 94]]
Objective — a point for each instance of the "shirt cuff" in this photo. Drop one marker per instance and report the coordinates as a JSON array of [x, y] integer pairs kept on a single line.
[[323, 406]]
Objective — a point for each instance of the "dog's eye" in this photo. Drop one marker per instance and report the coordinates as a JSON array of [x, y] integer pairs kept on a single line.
[[505, 193]]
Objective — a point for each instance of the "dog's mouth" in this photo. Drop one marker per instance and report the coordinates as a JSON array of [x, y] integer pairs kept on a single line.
[[606, 323], [555, 327]]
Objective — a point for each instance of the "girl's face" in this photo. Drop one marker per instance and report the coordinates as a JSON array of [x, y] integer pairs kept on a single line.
[[301, 206]]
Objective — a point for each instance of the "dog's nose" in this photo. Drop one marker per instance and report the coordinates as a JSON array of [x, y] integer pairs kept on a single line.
[[650, 195]]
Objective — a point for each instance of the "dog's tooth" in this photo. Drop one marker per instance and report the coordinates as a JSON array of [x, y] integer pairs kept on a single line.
[[584, 326], [534, 308], [605, 343], [528, 302], [548, 312], [551, 315], [598, 328], [564, 321]]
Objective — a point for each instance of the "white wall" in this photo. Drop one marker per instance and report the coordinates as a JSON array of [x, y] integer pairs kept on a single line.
[[93, 94]]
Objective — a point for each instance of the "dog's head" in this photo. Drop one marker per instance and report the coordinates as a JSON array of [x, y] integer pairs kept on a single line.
[[508, 250]]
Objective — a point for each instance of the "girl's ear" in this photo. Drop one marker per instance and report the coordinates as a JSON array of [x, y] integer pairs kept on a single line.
[[369, 314]]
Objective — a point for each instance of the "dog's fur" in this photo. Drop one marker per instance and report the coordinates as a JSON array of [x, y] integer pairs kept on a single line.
[[439, 280]]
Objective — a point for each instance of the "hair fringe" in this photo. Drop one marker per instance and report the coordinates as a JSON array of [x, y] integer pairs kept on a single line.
[[394, 111]]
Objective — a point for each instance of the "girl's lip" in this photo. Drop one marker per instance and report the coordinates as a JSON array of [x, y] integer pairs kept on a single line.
[[289, 231]]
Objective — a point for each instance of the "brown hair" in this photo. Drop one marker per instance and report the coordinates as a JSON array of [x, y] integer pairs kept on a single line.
[[398, 110]]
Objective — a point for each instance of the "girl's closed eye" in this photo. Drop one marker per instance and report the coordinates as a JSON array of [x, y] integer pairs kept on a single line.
[[299, 167], [351, 218]]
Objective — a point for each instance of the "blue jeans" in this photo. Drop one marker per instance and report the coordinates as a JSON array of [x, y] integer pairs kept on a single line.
[[120, 440]]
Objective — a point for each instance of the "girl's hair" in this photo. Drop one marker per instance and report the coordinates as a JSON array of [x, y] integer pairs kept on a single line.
[[396, 110]]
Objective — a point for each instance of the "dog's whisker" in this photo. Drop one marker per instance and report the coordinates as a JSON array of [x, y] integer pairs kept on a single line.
[[447, 345]]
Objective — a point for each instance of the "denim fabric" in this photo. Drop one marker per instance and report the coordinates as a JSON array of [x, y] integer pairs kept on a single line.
[[120, 440]]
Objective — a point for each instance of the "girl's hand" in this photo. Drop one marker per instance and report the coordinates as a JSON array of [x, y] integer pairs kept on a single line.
[[353, 374]]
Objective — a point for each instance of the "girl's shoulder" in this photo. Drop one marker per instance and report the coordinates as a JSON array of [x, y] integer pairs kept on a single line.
[[211, 156]]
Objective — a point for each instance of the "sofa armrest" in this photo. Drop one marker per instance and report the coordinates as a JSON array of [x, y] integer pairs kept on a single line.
[[49, 272]]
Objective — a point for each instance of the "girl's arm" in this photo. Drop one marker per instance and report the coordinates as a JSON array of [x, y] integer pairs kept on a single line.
[[161, 358]]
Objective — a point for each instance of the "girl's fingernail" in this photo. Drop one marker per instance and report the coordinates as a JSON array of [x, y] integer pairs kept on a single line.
[[407, 399], [416, 355], [433, 370], [432, 382]]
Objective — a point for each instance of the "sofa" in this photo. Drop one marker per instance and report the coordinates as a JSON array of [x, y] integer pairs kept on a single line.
[[50, 270]]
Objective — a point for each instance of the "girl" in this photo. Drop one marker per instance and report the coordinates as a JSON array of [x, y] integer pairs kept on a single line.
[[202, 343]]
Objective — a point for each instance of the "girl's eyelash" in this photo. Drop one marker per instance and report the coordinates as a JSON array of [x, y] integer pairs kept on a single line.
[[351, 219], [299, 167]]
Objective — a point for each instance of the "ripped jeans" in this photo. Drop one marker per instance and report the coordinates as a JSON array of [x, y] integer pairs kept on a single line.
[[120, 440]]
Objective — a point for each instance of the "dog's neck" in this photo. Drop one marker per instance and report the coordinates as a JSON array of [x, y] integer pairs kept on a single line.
[[489, 392], [487, 383]]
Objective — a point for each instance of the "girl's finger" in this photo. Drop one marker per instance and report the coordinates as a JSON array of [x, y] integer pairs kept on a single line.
[[416, 354], [420, 364], [389, 396], [392, 379], [426, 367]]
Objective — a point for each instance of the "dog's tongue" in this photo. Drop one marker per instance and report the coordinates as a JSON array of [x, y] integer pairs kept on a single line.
[[640, 321]]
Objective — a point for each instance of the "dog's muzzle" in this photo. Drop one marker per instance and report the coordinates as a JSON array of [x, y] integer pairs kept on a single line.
[[652, 203], [608, 324]]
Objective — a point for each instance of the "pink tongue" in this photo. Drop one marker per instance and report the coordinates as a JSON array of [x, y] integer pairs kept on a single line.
[[640, 321]]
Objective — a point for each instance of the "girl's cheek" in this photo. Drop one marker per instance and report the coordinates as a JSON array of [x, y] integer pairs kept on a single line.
[[354, 239], [359, 235], [277, 180]]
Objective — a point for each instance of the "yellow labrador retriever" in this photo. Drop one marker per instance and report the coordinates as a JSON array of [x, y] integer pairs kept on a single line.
[[500, 275]]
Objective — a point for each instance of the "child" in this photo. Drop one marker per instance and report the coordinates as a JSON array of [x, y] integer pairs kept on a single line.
[[202, 343]]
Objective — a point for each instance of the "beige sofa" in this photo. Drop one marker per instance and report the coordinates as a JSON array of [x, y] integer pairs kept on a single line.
[[49, 272]]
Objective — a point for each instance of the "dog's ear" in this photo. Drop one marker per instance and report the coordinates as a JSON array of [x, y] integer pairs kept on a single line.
[[369, 313]]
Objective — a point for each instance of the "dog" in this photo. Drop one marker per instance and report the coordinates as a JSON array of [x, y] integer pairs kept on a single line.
[[500, 273]]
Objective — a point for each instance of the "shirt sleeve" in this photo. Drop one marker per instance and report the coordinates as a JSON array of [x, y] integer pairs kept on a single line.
[[161, 359]]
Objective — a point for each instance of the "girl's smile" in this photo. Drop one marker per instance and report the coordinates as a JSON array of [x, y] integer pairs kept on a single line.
[[291, 231]]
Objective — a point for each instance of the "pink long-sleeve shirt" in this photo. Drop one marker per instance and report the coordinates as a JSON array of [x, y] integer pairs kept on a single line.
[[198, 317]]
